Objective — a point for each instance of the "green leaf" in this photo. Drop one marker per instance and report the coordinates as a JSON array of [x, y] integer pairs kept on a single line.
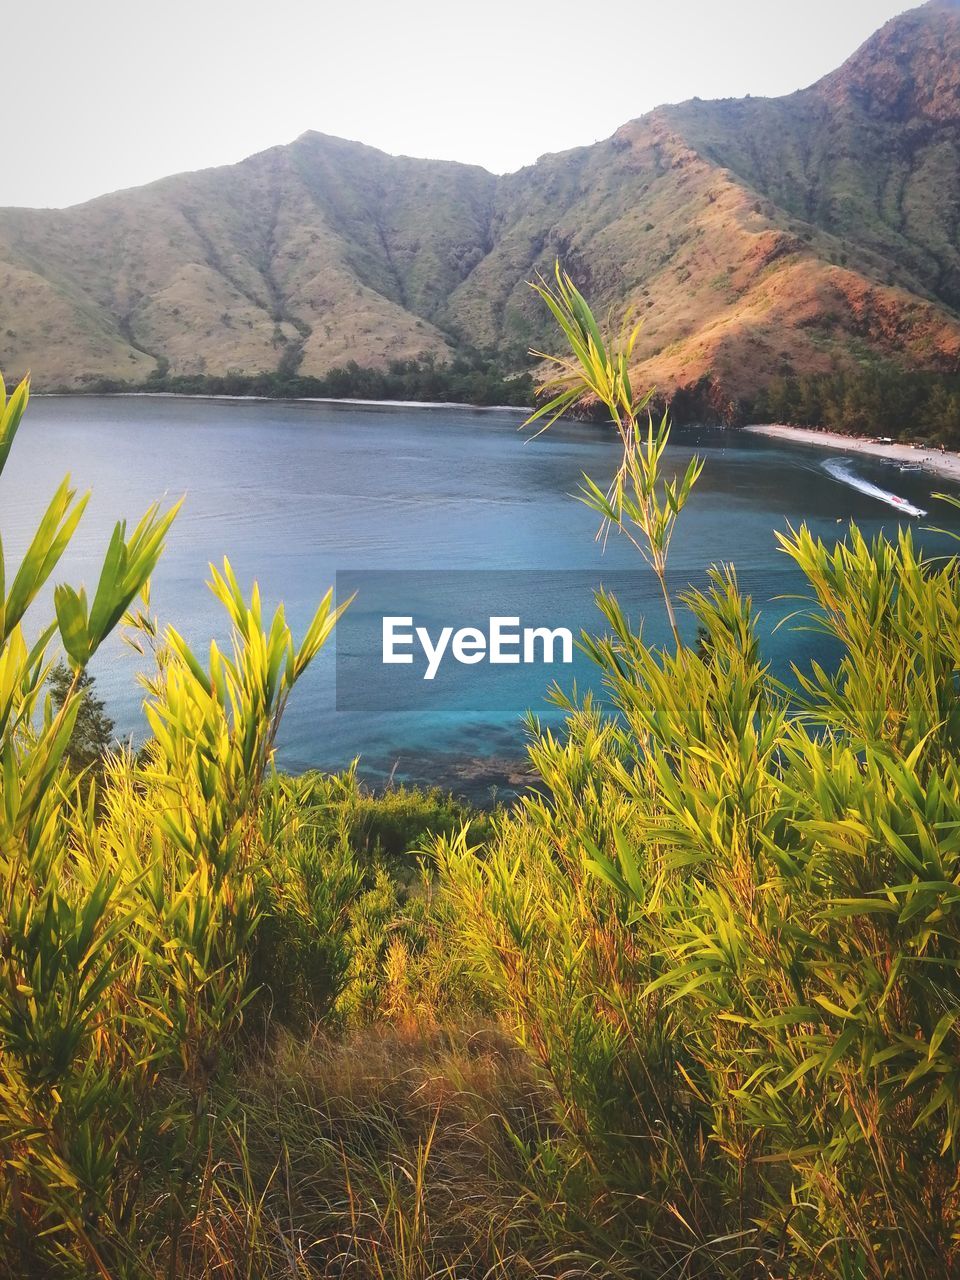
[[11, 412]]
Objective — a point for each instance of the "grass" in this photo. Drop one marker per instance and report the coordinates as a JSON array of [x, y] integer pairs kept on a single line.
[[384, 1153]]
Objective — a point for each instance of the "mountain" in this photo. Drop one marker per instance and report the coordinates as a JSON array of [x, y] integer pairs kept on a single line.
[[755, 237]]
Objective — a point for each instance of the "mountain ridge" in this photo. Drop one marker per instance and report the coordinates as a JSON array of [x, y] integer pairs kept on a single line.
[[757, 237]]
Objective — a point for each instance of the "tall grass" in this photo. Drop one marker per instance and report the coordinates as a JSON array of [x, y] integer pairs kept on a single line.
[[128, 922], [732, 935]]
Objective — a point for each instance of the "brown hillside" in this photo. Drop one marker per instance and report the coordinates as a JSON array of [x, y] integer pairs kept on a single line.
[[754, 237]]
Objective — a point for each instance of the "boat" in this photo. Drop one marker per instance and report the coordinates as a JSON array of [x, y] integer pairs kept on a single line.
[[839, 469]]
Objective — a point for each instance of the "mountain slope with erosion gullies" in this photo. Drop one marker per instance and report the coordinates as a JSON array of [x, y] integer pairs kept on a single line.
[[754, 237]]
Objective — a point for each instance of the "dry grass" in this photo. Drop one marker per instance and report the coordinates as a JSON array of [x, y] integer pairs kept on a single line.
[[388, 1154]]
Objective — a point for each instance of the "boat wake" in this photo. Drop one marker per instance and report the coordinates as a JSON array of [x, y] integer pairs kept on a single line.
[[840, 470]]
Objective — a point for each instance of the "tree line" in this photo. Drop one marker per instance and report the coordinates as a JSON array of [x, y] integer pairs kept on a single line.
[[880, 400], [883, 400], [474, 378]]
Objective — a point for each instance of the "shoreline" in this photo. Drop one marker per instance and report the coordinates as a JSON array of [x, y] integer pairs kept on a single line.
[[929, 459], [199, 395], [481, 781]]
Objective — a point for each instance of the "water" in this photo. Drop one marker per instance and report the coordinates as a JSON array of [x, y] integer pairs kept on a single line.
[[293, 492]]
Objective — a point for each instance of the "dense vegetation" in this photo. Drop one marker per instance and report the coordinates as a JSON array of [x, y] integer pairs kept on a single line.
[[883, 400], [693, 1011], [468, 379]]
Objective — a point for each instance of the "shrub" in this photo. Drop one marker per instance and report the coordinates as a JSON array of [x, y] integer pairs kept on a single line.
[[392, 826], [732, 938], [128, 924]]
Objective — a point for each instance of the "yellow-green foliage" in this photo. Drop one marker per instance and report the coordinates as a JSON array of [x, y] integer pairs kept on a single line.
[[732, 935], [163, 919], [128, 925]]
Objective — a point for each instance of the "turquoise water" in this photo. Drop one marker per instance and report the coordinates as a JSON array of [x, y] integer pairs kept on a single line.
[[294, 492]]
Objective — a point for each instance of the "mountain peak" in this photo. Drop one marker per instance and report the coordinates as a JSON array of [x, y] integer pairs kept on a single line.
[[909, 69]]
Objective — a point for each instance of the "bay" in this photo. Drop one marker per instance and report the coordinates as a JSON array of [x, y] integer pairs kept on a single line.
[[294, 492]]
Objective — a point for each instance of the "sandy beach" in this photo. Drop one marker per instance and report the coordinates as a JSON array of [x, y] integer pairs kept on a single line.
[[932, 460]]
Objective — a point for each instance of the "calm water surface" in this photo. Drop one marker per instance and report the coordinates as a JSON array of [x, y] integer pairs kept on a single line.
[[292, 492]]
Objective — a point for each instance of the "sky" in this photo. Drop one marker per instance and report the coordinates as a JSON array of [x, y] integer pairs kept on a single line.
[[107, 94]]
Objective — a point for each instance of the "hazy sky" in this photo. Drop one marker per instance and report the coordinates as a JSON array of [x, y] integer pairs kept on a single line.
[[112, 93]]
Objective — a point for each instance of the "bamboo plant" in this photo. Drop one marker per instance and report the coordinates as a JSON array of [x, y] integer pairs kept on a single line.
[[128, 918], [639, 502]]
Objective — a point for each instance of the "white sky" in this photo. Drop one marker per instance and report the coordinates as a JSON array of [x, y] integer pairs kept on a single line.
[[104, 94]]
